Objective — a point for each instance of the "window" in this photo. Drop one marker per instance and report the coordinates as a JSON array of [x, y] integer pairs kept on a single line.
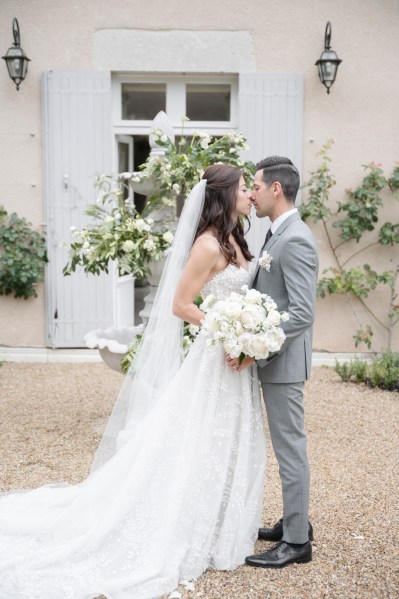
[[140, 101], [209, 101]]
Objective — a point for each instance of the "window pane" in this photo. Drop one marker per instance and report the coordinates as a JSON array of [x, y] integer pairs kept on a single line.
[[142, 101], [140, 153], [208, 102], [123, 164]]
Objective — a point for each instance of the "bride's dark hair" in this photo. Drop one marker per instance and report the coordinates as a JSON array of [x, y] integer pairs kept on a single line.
[[220, 199]]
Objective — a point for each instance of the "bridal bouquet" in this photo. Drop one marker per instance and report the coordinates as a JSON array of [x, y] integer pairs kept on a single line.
[[246, 324]]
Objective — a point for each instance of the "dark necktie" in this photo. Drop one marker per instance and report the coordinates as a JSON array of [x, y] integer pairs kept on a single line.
[[268, 235]]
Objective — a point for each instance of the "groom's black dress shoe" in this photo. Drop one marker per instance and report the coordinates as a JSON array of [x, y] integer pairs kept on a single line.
[[281, 555], [276, 532]]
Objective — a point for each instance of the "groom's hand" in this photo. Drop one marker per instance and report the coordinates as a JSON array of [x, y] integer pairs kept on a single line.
[[234, 363]]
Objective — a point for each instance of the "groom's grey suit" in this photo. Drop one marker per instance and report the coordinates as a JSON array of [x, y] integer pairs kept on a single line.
[[291, 282]]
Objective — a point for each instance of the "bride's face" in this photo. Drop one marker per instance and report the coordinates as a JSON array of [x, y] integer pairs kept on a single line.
[[243, 203]]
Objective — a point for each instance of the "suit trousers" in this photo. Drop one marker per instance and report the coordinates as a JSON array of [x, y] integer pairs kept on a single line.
[[285, 414]]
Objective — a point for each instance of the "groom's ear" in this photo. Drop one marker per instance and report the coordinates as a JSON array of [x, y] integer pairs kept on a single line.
[[277, 189]]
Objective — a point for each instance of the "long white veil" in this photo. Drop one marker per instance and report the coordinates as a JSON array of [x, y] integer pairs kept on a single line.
[[160, 353]]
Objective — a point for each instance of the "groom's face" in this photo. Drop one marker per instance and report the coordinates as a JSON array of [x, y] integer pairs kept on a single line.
[[262, 196]]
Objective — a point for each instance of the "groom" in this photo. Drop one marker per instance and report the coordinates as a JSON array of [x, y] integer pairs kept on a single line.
[[290, 279]]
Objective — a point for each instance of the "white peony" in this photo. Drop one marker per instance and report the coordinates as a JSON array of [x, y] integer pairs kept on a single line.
[[285, 316], [258, 347], [252, 315], [168, 237], [253, 296], [275, 339], [273, 318]]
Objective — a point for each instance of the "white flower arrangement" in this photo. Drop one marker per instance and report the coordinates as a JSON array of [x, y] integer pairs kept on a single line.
[[247, 324], [117, 232], [265, 261]]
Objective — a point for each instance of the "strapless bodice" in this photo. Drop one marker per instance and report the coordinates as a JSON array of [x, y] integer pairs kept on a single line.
[[232, 278]]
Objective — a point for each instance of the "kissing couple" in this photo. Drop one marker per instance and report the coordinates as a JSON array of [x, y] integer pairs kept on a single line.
[[176, 485]]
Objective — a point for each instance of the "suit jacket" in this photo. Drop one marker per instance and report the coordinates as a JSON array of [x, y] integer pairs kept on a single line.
[[291, 282]]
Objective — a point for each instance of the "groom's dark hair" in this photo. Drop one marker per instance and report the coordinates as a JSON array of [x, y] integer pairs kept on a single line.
[[278, 168]]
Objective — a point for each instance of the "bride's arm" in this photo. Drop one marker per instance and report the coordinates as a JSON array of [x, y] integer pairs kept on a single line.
[[200, 266]]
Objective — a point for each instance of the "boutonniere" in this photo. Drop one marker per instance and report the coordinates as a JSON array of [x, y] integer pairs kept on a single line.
[[265, 261]]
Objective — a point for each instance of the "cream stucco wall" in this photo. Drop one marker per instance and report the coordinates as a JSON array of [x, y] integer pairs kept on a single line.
[[361, 114]]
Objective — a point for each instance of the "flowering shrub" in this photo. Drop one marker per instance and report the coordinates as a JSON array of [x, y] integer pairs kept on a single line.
[[182, 166], [120, 233], [22, 256]]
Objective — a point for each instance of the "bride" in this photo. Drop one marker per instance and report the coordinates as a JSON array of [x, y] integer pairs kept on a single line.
[[176, 484]]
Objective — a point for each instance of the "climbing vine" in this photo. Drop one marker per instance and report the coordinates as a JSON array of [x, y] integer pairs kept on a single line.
[[356, 216]]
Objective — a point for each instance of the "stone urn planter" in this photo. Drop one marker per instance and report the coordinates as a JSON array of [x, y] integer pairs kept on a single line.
[[123, 300], [113, 343], [153, 279]]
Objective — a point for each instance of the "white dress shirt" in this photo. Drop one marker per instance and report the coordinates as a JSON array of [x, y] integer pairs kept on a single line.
[[280, 219]]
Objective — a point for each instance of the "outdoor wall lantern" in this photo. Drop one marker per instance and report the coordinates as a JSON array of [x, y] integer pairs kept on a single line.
[[16, 59], [328, 61]]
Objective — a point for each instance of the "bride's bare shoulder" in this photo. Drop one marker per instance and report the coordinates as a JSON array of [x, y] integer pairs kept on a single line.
[[207, 244]]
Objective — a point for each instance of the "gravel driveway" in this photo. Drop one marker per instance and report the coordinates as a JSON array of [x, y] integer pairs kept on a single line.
[[52, 416]]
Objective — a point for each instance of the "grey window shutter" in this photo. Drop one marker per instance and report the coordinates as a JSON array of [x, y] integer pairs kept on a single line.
[[271, 118], [77, 144]]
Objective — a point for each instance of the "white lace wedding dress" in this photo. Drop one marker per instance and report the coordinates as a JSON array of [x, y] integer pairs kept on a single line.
[[183, 494]]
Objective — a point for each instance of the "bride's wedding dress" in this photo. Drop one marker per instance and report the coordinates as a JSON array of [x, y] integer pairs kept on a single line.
[[184, 493]]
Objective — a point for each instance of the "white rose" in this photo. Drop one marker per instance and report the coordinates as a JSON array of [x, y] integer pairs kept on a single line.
[[208, 302], [211, 323], [168, 237], [127, 246], [258, 347], [194, 329], [232, 347], [253, 297], [140, 224], [285, 316], [251, 316], [273, 318], [232, 309], [149, 244], [224, 326], [239, 329]]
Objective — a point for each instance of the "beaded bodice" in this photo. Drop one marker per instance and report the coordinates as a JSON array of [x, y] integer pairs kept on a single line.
[[230, 279]]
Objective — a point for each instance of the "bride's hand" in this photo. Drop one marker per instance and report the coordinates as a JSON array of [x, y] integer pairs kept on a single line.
[[234, 363]]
